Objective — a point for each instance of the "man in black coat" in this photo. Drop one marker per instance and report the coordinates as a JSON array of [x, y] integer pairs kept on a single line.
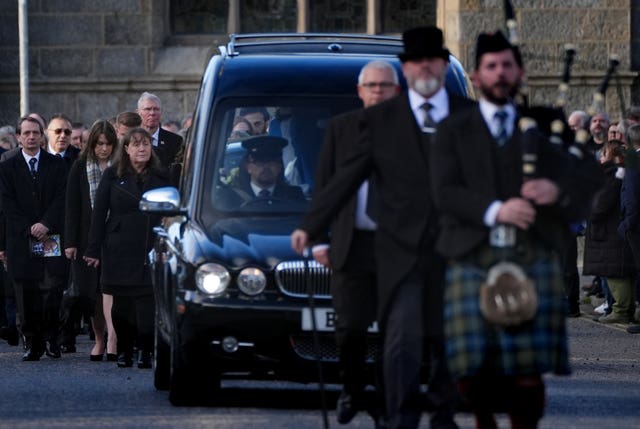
[[59, 139], [33, 191], [166, 144], [479, 185], [393, 149], [352, 233]]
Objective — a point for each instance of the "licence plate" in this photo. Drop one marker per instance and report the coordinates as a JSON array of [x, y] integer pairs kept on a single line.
[[325, 320]]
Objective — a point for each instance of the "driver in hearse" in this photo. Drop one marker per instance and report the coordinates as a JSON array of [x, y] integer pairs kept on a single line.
[[261, 171]]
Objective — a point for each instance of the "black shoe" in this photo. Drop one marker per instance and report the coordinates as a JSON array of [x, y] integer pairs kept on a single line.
[[125, 360], [112, 357], [144, 359], [30, 355], [95, 358], [68, 348], [633, 329], [345, 408], [53, 350]]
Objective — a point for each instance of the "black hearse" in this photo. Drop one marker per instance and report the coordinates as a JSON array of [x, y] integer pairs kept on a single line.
[[232, 297]]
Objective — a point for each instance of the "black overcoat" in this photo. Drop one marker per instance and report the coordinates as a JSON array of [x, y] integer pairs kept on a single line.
[[121, 235], [76, 228], [393, 152], [26, 202], [606, 253]]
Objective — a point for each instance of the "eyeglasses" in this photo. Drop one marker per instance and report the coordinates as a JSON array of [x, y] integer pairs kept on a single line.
[[381, 85], [66, 131]]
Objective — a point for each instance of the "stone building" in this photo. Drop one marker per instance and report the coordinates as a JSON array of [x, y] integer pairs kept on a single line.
[[93, 59]]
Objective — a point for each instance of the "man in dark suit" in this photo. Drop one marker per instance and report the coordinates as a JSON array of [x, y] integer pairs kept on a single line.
[[166, 144], [32, 186], [59, 132], [352, 233], [59, 139], [491, 214], [393, 151]]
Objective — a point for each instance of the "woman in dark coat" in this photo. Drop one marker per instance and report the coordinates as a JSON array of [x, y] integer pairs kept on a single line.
[[82, 185], [119, 240], [607, 254]]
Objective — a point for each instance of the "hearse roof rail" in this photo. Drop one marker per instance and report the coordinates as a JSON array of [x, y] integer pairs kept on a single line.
[[317, 43]]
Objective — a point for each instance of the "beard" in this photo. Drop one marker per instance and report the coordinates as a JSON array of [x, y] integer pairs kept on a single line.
[[427, 87], [499, 93]]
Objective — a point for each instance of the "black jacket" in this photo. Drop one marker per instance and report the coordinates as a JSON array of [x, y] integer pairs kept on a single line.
[[121, 235], [468, 174], [394, 153], [605, 252], [24, 203]]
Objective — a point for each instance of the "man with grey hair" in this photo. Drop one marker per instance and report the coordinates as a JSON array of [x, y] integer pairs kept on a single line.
[[578, 120], [393, 148], [165, 143], [349, 255]]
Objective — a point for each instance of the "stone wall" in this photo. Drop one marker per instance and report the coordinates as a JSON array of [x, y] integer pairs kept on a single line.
[[597, 28], [93, 59]]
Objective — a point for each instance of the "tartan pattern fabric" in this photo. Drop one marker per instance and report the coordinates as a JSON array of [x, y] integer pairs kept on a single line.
[[537, 346]]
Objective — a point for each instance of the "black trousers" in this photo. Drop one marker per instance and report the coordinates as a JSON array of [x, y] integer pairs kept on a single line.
[[353, 289], [38, 304], [133, 320], [405, 342]]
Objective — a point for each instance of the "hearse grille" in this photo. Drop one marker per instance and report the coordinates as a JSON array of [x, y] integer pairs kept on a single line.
[[294, 280], [327, 350]]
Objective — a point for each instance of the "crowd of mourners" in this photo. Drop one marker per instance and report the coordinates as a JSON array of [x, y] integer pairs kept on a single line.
[[74, 244], [611, 241], [72, 241]]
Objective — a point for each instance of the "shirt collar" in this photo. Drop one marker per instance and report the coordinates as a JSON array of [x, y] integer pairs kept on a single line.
[[488, 111], [439, 101], [28, 157], [155, 137], [256, 189]]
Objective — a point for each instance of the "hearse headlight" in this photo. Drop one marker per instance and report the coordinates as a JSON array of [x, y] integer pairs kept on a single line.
[[212, 279], [252, 281]]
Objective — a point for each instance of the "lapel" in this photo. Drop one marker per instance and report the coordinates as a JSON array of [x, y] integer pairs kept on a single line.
[[418, 142], [479, 151]]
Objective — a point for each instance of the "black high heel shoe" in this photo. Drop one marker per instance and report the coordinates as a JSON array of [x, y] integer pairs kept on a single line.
[[112, 357], [95, 358]]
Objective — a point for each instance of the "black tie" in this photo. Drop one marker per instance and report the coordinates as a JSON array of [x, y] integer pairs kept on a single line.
[[264, 193], [32, 165], [501, 132], [429, 125]]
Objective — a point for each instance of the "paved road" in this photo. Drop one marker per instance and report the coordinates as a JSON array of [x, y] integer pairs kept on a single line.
[[603, 393]]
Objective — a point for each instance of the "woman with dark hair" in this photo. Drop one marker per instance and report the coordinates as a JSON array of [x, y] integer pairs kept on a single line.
[[120, 239], [82, 185]]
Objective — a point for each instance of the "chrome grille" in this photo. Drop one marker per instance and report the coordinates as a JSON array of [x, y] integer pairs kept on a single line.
[[292, 278]]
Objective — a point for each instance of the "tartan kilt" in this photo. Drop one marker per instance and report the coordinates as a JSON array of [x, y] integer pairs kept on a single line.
[[533, 347]]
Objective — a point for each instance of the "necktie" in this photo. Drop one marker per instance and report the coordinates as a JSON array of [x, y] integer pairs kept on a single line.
[[264, 193], [32, 168], [429, 125], [501, 132]]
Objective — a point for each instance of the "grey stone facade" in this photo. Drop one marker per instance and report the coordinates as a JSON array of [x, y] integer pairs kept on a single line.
[[93, 59]]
